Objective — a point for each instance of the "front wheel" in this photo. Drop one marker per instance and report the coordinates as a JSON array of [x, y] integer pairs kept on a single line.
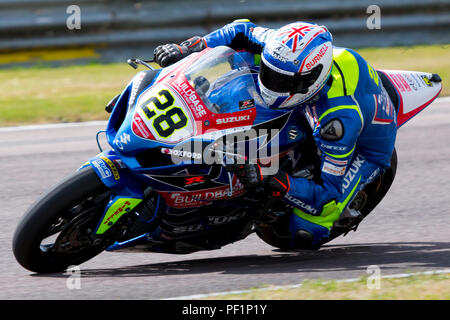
[[58, 230]]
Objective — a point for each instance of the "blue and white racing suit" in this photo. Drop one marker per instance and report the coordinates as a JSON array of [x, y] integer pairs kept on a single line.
[[354, 127]]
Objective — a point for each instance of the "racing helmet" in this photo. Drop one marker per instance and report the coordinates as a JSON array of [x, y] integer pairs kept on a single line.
[[295, 64]]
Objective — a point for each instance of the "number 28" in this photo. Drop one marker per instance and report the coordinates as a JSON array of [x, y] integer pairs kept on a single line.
[[166, 123]]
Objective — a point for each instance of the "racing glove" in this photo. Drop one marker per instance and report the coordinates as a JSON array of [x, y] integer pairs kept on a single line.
[[251, 176], [167, 54]]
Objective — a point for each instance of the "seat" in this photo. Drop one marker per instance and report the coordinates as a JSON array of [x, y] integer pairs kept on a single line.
[[387, 84]]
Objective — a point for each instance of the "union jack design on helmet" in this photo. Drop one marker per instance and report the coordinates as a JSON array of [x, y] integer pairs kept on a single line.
[[293, 36]]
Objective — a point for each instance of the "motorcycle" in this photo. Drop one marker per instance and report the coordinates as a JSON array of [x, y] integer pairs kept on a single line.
[[164, 187]]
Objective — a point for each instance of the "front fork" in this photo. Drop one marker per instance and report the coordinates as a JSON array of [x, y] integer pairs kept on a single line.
[[115, 175]]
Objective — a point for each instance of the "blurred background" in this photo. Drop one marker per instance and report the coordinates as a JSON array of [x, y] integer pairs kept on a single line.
[[38, 35], [61, 61], [113, 30]]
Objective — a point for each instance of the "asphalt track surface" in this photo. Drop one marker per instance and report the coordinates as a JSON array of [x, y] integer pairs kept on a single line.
[[407, 232]]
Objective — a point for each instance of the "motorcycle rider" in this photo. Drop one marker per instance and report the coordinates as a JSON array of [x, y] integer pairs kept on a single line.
[[340, 94]]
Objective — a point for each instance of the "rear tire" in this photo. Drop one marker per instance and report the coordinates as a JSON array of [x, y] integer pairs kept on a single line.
[[70, 208]]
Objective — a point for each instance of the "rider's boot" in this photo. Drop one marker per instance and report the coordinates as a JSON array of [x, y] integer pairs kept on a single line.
[[306, 234], [303, 239]]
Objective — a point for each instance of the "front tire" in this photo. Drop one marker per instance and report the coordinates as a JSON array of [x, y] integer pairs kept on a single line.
[[69, 212]]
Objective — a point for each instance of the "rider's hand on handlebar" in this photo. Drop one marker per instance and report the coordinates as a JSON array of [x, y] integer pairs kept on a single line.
[[252, 176], [168, 54], [249, 174], [278, 183]]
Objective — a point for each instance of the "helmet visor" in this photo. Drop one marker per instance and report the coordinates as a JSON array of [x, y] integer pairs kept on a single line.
[[280, 82]]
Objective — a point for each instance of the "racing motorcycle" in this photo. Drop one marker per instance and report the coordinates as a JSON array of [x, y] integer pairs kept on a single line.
[[164, 187]]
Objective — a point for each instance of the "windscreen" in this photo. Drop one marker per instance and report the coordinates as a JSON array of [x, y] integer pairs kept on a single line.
[[223, 80]]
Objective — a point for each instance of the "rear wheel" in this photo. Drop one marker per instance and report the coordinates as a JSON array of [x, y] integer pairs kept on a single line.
[[58, 230]]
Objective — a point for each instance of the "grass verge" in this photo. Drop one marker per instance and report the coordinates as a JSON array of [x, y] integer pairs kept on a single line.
[[80, 93], [414, 287], [66, 94]]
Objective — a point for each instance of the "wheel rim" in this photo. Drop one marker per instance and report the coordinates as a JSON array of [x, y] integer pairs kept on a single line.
[[72, 237]]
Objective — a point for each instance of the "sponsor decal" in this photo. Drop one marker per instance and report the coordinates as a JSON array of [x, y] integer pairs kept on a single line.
[[337, 162], [190, 96], [404, 83], [178, 181], [351, 173], [426, 80], [125, 207], [115, 211], [317, 57], [334, 148], [418, 80], [246, 104], [212, 220], [112, 166], [217, 220], [411, 81], [194, 180], [191, 199], [400, 82], [123, 139], [181, 153], [102, 168], [333, 169], [136, 83], [293, 133], [232, 119], [277, 53], [185, 229], [300, 204], [373, 175], [140, 128]]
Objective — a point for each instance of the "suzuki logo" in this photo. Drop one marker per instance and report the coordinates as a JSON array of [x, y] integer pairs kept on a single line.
[[194, 180]]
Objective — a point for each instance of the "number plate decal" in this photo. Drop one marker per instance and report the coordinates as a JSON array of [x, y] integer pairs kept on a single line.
[[165, 114]]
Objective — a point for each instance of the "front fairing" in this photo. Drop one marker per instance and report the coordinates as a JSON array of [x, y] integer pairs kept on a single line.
[[231, 103], [144, 147]]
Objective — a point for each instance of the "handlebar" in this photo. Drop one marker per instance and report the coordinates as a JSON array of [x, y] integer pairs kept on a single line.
[[133, 62]]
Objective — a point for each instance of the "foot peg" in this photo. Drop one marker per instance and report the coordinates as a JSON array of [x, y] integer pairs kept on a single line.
[[348, 218]]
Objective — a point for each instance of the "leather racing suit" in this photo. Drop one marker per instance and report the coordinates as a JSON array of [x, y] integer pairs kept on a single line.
[[354, 128]]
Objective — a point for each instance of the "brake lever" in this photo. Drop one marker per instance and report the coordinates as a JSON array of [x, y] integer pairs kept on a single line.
[[133, 62]]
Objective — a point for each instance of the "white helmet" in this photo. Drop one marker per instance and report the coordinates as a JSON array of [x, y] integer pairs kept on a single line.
[[295, 64]]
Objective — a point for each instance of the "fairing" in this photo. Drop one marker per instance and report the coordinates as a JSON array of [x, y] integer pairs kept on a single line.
[[200, 100], [415, 91]]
